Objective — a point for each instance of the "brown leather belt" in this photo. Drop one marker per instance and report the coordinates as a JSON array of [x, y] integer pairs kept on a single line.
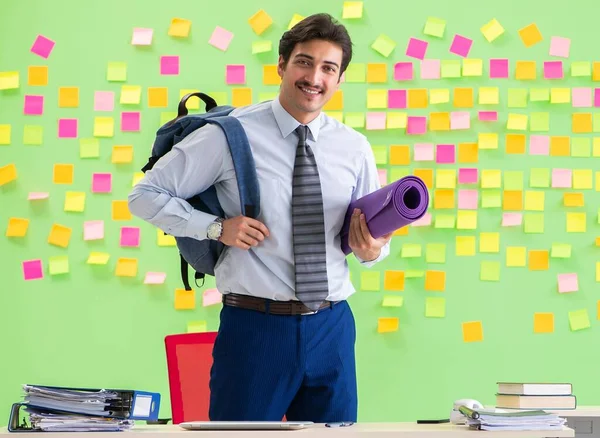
[[270, 306]]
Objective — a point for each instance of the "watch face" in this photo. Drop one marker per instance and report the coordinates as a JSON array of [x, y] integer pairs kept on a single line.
[[213, 231]]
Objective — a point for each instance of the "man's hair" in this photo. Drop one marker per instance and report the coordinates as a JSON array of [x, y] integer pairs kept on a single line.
[[317, 27]]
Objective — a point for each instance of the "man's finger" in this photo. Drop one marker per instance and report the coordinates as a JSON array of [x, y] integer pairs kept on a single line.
[[364, 230], [258, 226]]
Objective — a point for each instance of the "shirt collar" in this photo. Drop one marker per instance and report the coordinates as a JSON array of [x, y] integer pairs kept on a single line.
[[287, 123]]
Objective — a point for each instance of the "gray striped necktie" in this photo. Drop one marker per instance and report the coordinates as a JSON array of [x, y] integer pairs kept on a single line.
[[308, 227]]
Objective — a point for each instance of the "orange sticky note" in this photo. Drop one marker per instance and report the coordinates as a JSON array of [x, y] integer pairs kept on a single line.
[[376, 73], [560, 146], [126, 267], [426, 175], [270, 75], [582, 123], [241, 96], [387, 325], [336, 103], [439, 121], [399, 155], [8, 173], [158, 97], [63, 174], [120, 211], [17, 227], [543, 322], [393, 280], [472, 331], [185, 299], [596, 71], [597, 241], [468, 153], [525, 70], [401, 232], [539, 260], [516, 143], [37, 75], [512, 200], [435, 280], [443, 198], [68, 97], [122, 154], [463, 98], [573, 200], [530, 35], [417, 98], [59, 235]]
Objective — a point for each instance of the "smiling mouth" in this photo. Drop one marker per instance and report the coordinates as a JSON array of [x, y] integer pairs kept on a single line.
[[310, 91]]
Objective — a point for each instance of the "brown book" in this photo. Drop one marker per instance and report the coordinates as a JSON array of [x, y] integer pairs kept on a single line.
[[536, 401]]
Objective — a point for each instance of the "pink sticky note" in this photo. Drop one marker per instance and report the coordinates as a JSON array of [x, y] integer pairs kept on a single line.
[[416, 125], [155, 277], [169, 65], [560, 47], [396, 98], [211, 297], [34, 105], [425, 221], [93, 230], [235, 74], [101, 182], [382, 174], [141, 36], [488, 116], [468, 199], [461, 45], [104, 100], [498, 68], [581, 97], [130, 236], [67, 128], [445, 154], [512, 219], [376, 120], [42, 46], [220, 38], [32, 270], [567, 283], [431, 69], [596, 97], [553, 70], [423, 152], [561, 178], [539, 145], [460, 120], [36, 196], [130, 121], [468, 175], [416, 48], [403, 71]]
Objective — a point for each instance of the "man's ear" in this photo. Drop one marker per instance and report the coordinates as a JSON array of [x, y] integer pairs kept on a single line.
[[280, 66]]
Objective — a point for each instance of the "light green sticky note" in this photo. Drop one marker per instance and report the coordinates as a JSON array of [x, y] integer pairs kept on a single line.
[[596, 122], [414, 273], [397, 173], [221, 97], [89, 148], [411, 250], [435, 27], [196, 327], [490, 270], [261, 46], [384, 45], [33, 134], [369, 280], [435, 253], [539, 122], [167, 116], [58, 265], [116, 72], [450, 68], [381, 154], [539, 178], [392, 301], [579, 319], [445, 221], [599, 216], [435, 307], [561, 251], [517, 97], [491, 198], [513, 180], [266, 96], [356, 72], [581, 69], [581, 147], [533, 223], [539, 94], [355, 120]]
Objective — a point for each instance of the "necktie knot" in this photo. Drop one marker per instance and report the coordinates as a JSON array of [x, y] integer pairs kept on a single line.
[[302, 132]]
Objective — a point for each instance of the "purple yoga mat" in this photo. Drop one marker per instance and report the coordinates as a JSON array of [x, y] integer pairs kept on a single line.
[[389, 208]]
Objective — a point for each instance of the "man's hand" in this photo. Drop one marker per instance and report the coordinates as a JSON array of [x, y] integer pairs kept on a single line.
[[243, 232], [360, 240]]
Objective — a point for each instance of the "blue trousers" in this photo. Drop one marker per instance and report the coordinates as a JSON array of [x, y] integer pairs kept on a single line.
[[267, 366]]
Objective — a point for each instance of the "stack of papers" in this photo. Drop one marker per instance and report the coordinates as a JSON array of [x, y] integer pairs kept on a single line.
[[53, 421], [99, 403], [521, 420]]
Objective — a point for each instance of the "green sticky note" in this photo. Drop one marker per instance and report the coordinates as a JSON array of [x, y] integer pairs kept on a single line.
[[539, 94], [533, 223], [33, 134], [167, 116], [581, 147], [539, 122], [266, 96], [490, 271], [392, 301], [517, 97], [355, 120], [445, 221], [450, 68], [89, 148], [596, 122], [369, 280], [599, 216], [539, 178], [116, 72], [384, 45], [411, 250], [261, 46], [397, 173], [356, 72], [581, 69], [435, 27], [381, 154], [491, 199], [513, 180], [58, 265], [196, 327], [435, 307], [414, 273], [435, 253], [561, 251], [221, 97], [579, 319]]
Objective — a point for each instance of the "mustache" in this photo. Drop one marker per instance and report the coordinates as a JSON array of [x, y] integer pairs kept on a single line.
[[308, 85]]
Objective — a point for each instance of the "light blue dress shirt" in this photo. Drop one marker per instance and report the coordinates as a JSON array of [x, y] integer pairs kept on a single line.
[[347, 171]]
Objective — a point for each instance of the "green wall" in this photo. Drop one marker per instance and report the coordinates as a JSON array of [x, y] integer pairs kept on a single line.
[[91, 328]]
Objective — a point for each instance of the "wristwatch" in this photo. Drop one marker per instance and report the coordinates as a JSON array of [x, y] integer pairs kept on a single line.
[[215, 229]]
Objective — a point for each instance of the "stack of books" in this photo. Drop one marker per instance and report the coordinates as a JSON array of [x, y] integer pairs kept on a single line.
[[492, 419], [536, 396]]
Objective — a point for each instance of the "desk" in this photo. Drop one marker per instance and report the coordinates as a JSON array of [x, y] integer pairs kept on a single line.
[[363, 430], [585, 420]]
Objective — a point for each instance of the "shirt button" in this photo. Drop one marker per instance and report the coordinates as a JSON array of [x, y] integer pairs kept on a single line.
[[196, 236]]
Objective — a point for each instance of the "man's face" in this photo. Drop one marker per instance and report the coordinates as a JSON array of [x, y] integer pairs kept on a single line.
[[310, 78]]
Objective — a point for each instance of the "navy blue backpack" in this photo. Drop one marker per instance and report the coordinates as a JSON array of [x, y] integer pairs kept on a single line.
[[202, 255]]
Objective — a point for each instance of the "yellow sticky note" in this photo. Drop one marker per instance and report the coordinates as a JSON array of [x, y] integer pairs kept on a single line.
[[296, 18], [530, 35], [579, 320], [260, 21], [126, 267], [417, 98], [439, 121], [435, 281], [352, 9], [468, 152], [270, 75], [576, 222], [516, 256], [5, 134], [489, 270], [472, 67], [439, 95], [243, 97], [543, 322], [582, 179], [491, 178], [74, 201], [492, 30], [158, 97], [435, 307], [163, 239], [573, 200], [63, 174], [377, 98], [443, 199], [560, 95], [185, 299], [387, 325], [180, 27], [489, 96], [336, 102], [130, 94], [104, 126], [445, 178], [392, 301], [489, 242], [466, 220], [517, 122], [68, 97], [393, 280], [465, 246], [534, 201], [17, 227], [120, 211], [9, 80], [192, 102], [122, 154], [116, 71], [376, 73], [396, 120], [197, 327], [8, 173], [525, 70], [463, 98], [58, 265], [59, 235], [472, 331], [98, 258], [487, 140], [37, 75], [539, 260]]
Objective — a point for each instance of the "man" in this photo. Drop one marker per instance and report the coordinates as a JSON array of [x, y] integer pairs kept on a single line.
[[285, 345]]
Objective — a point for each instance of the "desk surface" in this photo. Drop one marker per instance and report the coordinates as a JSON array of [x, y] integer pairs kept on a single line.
[[366, 430], [583, 411]]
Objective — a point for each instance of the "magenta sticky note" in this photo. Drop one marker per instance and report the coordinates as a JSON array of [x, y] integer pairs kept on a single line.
[[396, 98], [142, 36], [581, 97], [67, 128], [461, 45], [423, 152], [36, 196], [93, 230], [32, 270], [597, 97], [553, 70], [382, 175], [155, 277], [130, 236], [468, 199], [498, 68], [468, 175], [34, 105], [560, 47], [488, 116], [416, 48], [445, 154], [561, 178], [567, 283], [539, 145], [42, 46], [376, 120], [431, 69], [210, 297], [104, 100], [512, 219], [130, 121], [416, 125], [235, 74], [425, 221], [169, 65], [101, 182], [403, 71], [220, 38], [460, 120]]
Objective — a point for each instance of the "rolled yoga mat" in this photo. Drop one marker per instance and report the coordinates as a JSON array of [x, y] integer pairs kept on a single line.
[[389, 208]]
